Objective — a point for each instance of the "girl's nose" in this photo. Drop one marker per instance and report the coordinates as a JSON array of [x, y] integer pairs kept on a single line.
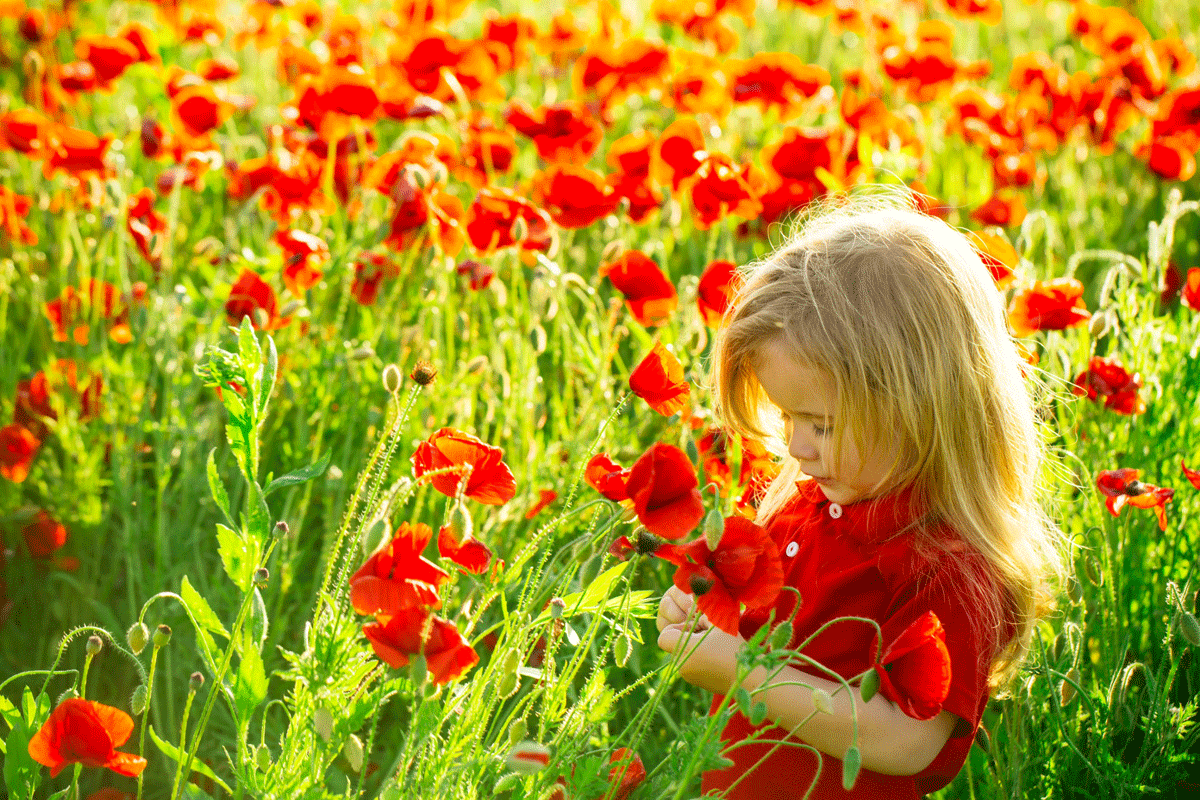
[[802, 448]]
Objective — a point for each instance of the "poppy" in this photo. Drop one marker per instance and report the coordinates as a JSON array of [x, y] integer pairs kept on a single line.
[[73, 307], [914, 670], [24, 130], [621, 548], [627, 772], [1190, 291], [997, 255], [147, 227], [743, 569], [663, 486], [485, 151], [678, 152], [415, 631], [640, 195], [369, 271], [1121, 486], [33, 404], [800, 152], [397, 576], [1192, 475], [14, 209], [109, 56], [720, 188], [545, 498], [460, 458], [1052, 305], [199, 110], [575, 196], [221, 68], [76, 151], [251, 295], [715, 291], [1002, 208], [465, 551], [649, 295], [561, 132], [989, 12], [659, 380], [776, 79], [80, 731], [512, 36], [34, 26], [43, 535], [77, 76], [303, 254], [142, 40], [18, 446], [480, 274], [630, 154], [607, 477], [1170, 157], [498, 217], [699, 86], [1108, 378]]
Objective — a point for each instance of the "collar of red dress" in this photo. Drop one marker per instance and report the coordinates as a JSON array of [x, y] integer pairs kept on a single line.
[[871, 520]]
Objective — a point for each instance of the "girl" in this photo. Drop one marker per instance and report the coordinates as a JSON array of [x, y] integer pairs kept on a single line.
[[875, 342]]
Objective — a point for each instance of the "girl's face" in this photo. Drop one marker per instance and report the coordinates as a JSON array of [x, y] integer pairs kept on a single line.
[[807, 398]]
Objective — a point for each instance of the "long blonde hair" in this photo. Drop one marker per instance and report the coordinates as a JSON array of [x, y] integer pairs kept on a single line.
[[898, 308]]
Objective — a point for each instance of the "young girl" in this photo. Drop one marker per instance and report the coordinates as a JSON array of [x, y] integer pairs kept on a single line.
[[875, 342]]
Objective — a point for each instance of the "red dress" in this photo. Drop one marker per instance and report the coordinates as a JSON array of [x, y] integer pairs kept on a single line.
[[859, 560]]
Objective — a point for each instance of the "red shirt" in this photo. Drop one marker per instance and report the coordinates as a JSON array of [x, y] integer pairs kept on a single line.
[[859, 560]]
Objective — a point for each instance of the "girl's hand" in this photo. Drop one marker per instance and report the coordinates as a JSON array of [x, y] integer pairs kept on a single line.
[[675, 607], [710, 656]]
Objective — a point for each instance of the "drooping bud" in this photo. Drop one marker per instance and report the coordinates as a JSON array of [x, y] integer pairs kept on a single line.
[[162, 635], [983, 739], [557, 607], [508, 684], [647, 542], [362, 352], [1066, 689], [822, 700], [714, 529], [138, 700], [528, 757], [869, 686], [261, 318], [758, 713], [291, 307], [511, 662], [1094, 573], [195, 681], [323, 723], [517, 732], [851, 765], [507, 782], [354, 752], [262, 758], [621, 649], [423, 372], [1190, 629], [781, 637], [391, 378], [1074, 589], [460, 523], [137, 636], [700, 585], [261, 576], [94, 645]]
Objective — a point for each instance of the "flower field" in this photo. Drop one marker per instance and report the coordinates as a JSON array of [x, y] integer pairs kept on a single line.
[[354, 410]]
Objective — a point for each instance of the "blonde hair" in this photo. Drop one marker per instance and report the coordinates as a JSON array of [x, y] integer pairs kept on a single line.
[[899, 310]]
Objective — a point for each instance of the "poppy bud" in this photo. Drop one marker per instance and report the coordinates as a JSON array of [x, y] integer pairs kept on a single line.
[[94, 645], [714, 529], [517, 732], [508, 684], [758, 712], [391, 378], [822, 701], [1066, 689], [138, 700], [262, 758], [700, 585], [162, 635], [507, 782], [323, 723], [1099, 325], [476, 365], [291, 307], [391, 792], [137, 636], [69, 694], [983, 739], [557, 607], [511, 662], [354, 752], [195, 681], [851, 764], [1190, 629], [621, 649], [281, 529], [781, 637], [362, 352], [423, 372], [647, 542], [261, 576], [869, 686], [583, 551], [628, 513], [1094, 573], [1074, 589], [528, 758]]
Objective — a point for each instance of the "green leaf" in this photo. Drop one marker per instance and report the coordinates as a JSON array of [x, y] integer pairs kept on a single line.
[[201, 610], [258, 516], [237, 555], [250, 682], [217, 487], [596, 595], [258, 619], [301, 475], [8, 712], [267, 382], [21, 773], [198, 766], [249, 350]]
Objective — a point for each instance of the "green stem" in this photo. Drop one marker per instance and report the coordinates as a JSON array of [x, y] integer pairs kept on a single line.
[[145, 715], [180, 767]]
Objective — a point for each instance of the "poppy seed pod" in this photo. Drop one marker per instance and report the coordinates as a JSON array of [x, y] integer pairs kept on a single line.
[[781, 637], [822, 701], [557, 607], [261, 576], [517, 732], [262, 758], [647, 542], [869, 686], [195, 681], [423, 372], [528, 758], [138, 700], [137, 636], [162, 635], [621, 649], [700, 585], [94, 645]]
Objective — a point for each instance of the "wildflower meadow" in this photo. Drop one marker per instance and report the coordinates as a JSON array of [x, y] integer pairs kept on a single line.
[[353, 374]]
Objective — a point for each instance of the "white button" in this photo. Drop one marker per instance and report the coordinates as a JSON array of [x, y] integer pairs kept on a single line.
[[792, 549], [835, 510]]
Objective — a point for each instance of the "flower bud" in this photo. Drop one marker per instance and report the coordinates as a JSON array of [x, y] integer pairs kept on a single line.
[[353, 751], [557, 607], [291, 307], [391, 792], [281, 529], [323, 723], [261, 576], [983, 739], [262, 758], [621, 649], [391, 379], [758, 713], [362, 352], [1066, 689], [138, 700], [195, 681], [94, 645], [517, 732], [700, 585], [507, 782], [162, 635], [137, 636], [460, 523], [1094, 573], [628, 513], [1190, 629], [851, 765], [869, 686], [528, 757], [1074, 589], [69, 694], [647, 543], [511, 662], [781, 637], [423, 372], [714, 529], [508, 684], [822, 701]]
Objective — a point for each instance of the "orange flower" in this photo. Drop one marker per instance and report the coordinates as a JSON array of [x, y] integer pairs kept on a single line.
[[14, 209], [1052, 305], [1121, 486], [398, 577], [498, 217], [561, 132], [511, 36], [24, 130], [72, 308], [997, 255], [649, 294], [1190, 292], [18, 446], [659, 380], [75, 151], [1171, 157], [574, 196], [44, 535], [465, 464], [109, 56], [776, 79], [678, 152], [720, 188], [80, 731], [415, 631], [1192, 475], [221, 68], [1002, 208], [303, 255], [199, 110]]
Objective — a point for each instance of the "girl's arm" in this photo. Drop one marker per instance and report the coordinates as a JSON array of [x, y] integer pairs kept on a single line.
[[891, 742]]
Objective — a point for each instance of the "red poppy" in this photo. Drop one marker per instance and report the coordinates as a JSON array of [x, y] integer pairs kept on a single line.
[[715, 290], [776, 79], [621, 548], [1190, 292], [1002, 208], [14, 209], [303, 254], [108, 793], [561, 132], [18, 446], [658, 380], [649, 294], [545, 498], [480, 274], [80, 731], [221, 68], [628, 769], [1192, 475], [70, 310], [720, 188], [44, 535], [199, 110], [997, 255], [1108, 378], [800, 152], [914, 670], [109, 56], [1052, 305], [744, 569], [461, 456], [607, 477], [369, 271], [24, 130], [497, 217], [678, 152], [575, 196], [251, 296], [1121, 486], [397, 576], [147, 227], [415, 631], [467, 552], [76, 151], [663, 487]]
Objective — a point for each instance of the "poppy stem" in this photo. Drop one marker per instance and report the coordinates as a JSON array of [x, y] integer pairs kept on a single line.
[[180, 764], [145, 714]]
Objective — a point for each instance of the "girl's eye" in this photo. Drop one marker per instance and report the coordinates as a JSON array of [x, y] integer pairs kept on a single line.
[[821, 430]]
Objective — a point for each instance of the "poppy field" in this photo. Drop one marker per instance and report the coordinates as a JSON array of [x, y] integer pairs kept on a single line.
[[354, 410]]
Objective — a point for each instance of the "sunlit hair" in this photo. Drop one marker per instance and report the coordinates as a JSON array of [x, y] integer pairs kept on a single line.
[[899, 310]]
